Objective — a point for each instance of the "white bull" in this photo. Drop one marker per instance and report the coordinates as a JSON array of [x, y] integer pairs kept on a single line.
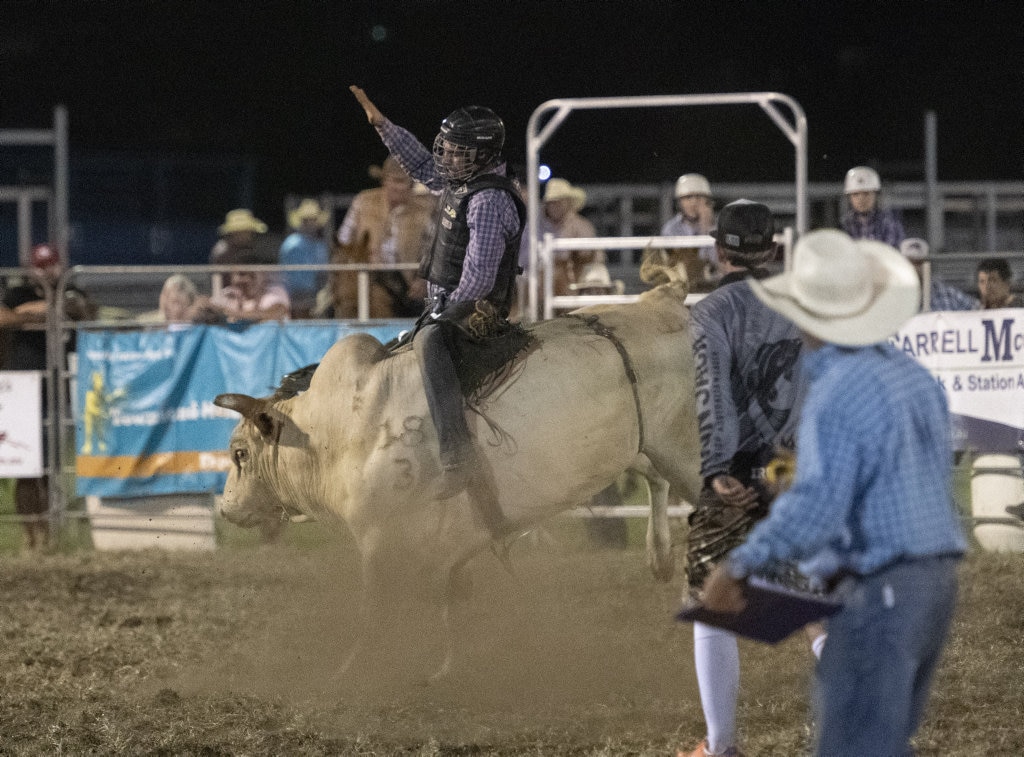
[[586, 402]]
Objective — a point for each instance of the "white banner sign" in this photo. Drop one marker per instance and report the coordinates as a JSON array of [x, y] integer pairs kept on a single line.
[[978, 357], [21, 424]]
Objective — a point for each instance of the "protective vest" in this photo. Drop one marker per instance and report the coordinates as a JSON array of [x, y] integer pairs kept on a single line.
[[443, 264]]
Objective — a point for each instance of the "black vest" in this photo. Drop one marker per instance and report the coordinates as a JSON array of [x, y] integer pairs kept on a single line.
[[443, 264]]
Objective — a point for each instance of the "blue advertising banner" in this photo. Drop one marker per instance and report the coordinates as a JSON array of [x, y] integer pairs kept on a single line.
[[148, 424]]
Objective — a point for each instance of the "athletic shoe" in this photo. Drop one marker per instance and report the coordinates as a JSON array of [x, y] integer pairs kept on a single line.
[[702, 751]]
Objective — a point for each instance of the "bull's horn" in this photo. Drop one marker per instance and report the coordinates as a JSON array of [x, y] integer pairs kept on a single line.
[[243, 404]]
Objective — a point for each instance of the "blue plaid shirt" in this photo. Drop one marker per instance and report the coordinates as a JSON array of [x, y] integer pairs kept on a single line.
[[881, 225], [942, 296], [491, 215], [873, 471]]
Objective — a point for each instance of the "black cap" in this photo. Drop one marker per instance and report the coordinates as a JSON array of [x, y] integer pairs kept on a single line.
[[745, 226]]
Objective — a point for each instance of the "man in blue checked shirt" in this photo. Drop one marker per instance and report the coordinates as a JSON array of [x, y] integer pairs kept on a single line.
[[871, 502], [472, 263]]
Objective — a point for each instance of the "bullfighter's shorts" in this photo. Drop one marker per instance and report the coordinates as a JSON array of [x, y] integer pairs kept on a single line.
[[716, 529]]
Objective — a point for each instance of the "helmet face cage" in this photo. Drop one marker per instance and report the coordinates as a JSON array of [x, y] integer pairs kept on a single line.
[[469, 141], [454, 162]]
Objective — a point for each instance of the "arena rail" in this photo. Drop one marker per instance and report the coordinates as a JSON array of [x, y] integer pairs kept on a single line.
[[549, 116]]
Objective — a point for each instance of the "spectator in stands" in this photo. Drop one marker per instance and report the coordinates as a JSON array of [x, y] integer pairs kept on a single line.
[[177, 296], [304, 246], [23, 315], [994, 280], [871, 505], [396, 221], [562, 205], [940, 295], [865, 219], [696, 217], [238, 238], [249, 296]]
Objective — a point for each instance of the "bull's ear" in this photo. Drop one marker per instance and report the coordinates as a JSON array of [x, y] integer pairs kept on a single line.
[[267, 425], [242, 404]]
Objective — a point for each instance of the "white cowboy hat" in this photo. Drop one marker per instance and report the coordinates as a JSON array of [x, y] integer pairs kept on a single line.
[[308, 208], [595, 276], [241, 219], [844, 291], [560, 189]]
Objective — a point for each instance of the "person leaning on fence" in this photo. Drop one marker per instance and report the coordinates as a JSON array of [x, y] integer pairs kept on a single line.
[[748, 386], [695, 217], [238, 238], [994, 281], [471, 266], [562, 205], [23, 316], [871, 502], [865, 219], [249, 296], [304, 246], [177, 297], [941, 296]]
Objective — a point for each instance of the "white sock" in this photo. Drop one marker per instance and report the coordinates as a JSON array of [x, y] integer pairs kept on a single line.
[[818, 644], [717, 658]]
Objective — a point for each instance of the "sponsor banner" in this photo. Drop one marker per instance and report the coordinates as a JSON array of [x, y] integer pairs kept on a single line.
[[147, 423], [21, 424], [978, 358]]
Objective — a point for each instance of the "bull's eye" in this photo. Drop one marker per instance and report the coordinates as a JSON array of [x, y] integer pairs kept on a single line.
[[241, 456]]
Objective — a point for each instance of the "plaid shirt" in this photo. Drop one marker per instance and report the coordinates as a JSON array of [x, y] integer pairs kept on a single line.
[[881, 225], [873, 471], [942, 296], [491, 215]]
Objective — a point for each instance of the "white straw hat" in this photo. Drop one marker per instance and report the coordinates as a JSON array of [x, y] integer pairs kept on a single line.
[[560, 189], [844, 291]]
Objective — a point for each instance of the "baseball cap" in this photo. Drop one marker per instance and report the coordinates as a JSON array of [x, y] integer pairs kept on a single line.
[[43, 256], [745, 226]]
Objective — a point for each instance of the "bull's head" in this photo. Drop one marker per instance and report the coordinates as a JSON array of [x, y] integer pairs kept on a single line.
[[249, 495]]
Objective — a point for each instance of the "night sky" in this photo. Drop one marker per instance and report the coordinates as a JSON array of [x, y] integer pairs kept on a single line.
[[269, 80]]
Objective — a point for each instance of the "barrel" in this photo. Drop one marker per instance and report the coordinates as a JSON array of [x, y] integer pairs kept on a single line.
[[996, 482]]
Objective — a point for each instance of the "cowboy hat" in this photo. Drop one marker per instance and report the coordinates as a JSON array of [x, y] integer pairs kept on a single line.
[[844, 291], [595, 276], [241, 219], [308, 208], [560, 189], [390, 167]]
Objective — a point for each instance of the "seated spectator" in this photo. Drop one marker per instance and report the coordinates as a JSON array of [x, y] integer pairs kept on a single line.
[[939, 295], [865, 219], [177, 296], [238, 235], [249, 296], [994, 280], [304, 246]]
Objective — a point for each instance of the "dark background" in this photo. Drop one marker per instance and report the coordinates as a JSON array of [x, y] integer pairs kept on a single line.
[[268, 81]]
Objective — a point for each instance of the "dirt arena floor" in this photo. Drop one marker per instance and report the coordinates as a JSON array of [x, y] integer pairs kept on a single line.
[[576, 653]]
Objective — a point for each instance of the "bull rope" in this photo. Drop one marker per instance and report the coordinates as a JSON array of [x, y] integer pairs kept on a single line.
[[594, 324]]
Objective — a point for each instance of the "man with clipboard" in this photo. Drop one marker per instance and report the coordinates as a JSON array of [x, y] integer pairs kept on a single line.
[[871, 499]]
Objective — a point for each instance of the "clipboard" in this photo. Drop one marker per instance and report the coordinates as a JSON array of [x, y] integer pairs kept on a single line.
[[773, 611]]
